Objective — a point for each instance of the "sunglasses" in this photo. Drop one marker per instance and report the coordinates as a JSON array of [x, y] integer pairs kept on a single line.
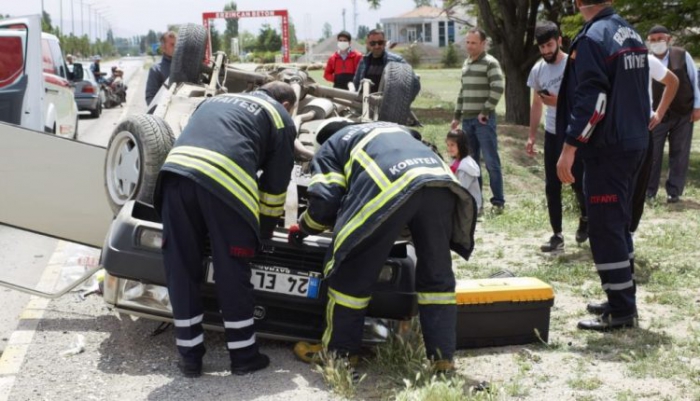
[[377, 43]]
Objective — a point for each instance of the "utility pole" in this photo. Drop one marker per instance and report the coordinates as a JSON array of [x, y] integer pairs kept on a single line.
[[82, 19], [72, 18], [60, 3], [354, 17], [42, 12], [344, 19]]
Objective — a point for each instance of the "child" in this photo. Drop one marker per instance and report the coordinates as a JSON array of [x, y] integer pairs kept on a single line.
[[465, 168]]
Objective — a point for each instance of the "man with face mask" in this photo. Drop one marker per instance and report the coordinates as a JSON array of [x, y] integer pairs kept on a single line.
[[545, 79], [677, 123], [341, 66], [603, 110]]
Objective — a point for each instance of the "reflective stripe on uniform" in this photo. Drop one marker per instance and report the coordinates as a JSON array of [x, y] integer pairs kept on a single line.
[[222, 162], [437, 298], [273, 200], [328, 179], [188, 322], [330, 306], [190, 343], [373, 170], [360, 146], [618, 286], [311, 223], [214, 173], [612, 266], [276, 117], [371, 207], [348, 301], [239, 324], [273, 211], [241, 344]]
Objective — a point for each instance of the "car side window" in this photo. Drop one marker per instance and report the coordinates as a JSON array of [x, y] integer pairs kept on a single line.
[[57, 56], [46, 58]]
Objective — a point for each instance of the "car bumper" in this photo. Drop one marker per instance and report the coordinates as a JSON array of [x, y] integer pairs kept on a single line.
[[86, 102], [135, 282]]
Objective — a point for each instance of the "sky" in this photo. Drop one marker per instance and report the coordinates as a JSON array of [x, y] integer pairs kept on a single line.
[[135, 17]]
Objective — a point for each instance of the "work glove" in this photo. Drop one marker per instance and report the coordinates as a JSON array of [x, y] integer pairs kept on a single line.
[[296, 236]]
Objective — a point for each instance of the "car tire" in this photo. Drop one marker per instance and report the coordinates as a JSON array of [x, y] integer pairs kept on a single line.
[[97, 111], [137, 149], [189, 51], [398, 85]]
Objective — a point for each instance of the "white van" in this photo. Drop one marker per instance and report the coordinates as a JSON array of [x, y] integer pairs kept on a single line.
[[35, 85]]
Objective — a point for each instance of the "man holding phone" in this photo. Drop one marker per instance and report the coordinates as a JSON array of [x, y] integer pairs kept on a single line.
[[545, 79]]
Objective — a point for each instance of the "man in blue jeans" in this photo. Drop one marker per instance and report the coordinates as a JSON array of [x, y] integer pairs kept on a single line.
[[482, 88]]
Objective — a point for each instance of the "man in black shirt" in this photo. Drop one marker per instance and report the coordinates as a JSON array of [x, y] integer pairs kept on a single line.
[[373, 63]]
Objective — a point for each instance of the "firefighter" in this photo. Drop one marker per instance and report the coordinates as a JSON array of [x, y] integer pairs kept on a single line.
[[209, 188], [369, 182]]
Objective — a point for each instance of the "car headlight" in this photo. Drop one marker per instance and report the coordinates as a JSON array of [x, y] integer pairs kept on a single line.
[[150, 238]]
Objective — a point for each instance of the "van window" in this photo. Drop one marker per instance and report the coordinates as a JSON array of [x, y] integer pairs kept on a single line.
[[46, 57], [11, 56], [57, 57]]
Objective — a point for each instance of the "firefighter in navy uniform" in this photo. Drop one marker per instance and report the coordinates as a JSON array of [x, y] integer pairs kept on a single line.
[[369, 182], [209, 188], [603, 109]]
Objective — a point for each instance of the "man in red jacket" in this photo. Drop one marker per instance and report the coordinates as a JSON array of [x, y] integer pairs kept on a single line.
[[342, 65]]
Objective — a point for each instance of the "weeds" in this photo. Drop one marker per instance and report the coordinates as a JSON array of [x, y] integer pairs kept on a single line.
[[339, 374]]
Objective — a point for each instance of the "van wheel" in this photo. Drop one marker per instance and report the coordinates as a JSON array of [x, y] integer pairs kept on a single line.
[[189, 54], [397, 85], [136, 151]]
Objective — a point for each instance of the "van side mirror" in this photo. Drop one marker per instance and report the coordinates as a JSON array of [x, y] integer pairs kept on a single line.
[[78, 73]]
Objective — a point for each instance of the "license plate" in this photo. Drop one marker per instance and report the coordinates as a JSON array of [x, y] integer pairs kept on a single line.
[[280, 280]]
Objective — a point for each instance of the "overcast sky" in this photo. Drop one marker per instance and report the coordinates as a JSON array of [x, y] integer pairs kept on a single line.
[[136, 17]]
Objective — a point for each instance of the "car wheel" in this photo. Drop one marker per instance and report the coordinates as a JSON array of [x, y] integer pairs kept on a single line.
[[97, 111], [399, 86], [136, 151], [189, 54]]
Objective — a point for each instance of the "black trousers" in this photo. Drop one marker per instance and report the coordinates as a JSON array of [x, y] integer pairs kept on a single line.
[[428, 214], [640, 188], [553, 145], [679, 131], [191, 214], [609, 184]]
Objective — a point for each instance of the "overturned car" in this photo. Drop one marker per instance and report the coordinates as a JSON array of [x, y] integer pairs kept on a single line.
[[289, 287]]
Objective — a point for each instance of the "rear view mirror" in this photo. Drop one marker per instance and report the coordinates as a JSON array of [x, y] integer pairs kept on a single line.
[[78, 73]]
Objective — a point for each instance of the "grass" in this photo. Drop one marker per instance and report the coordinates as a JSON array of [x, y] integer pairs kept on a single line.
[[659, 361]]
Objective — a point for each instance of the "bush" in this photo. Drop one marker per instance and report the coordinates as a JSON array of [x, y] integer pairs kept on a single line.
[[413, 55], [450, 58]]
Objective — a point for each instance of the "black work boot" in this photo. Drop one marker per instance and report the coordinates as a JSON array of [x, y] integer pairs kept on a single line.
[[555, 243], [582, 230], [258, 362], [190, 368], [607, 322]]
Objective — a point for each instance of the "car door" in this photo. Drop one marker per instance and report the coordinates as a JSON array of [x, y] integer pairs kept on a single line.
[[50, 184], [20, 96]]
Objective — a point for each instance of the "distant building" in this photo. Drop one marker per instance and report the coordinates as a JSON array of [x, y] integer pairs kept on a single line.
[[427, 25]]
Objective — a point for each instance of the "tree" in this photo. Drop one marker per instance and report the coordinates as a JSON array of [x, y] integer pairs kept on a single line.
[[293, 42], [450, 58], [247, 41], [421, 3], [46, 22], [362, 32], [215, 39], [268, 39], [327, 30], [231, 30]]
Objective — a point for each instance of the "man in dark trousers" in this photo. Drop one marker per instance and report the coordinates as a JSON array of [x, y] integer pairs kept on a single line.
[[369, 182], [603, 109], [160, 71], [341, 65], [209, 189], [677, 124]]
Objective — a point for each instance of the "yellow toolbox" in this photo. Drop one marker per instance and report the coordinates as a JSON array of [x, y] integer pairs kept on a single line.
[[502, 311]]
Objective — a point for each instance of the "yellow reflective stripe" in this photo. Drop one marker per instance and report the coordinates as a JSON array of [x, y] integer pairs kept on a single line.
[[212, 172], [328, 179], [273, 200], [224, 163], [274, 211], [312, 223], [380, 200], [437, 298], [361, 145], [347, 300], [279, 123], [330, 306], [372, 169]]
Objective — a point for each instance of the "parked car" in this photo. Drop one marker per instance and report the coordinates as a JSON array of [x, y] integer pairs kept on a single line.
[[46, 103], [89, 95]]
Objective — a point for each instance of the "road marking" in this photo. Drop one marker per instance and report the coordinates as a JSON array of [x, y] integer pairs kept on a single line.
[[20, 340]]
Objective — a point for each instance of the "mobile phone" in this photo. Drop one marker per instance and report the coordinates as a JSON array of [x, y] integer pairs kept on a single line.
[[544, 92]]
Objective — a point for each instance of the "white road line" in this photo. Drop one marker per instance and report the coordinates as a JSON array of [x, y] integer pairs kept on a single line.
[[19, 342]]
